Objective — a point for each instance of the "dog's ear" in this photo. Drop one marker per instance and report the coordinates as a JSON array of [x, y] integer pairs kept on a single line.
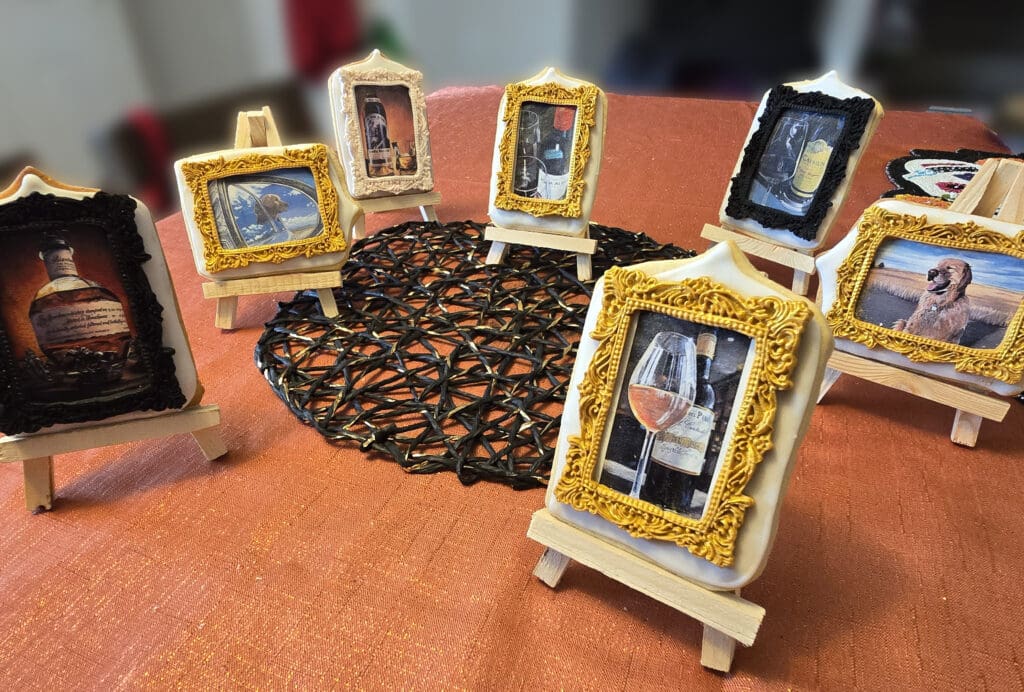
[[966, 278]]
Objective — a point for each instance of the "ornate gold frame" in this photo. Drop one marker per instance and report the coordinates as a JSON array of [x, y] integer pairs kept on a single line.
[[774, 324], [584, 98], [1005, 363], [198, 175]]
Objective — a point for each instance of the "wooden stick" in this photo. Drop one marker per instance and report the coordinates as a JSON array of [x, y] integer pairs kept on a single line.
[[553, 241], [396, 202], [764, 249], [920, 385], [38, 474], [271, 284], [551, 567]]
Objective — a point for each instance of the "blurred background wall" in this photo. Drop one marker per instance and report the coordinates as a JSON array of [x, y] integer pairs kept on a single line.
[[110, 92]]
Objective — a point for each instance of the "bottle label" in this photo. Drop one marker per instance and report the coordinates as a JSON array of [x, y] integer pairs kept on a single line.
[[684, 445], [65, 324], [811, 168], [59, 264], [552, 186]]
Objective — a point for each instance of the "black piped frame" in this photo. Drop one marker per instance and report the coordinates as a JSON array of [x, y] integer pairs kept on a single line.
[[896, 169], [115, 216], [857, 113]]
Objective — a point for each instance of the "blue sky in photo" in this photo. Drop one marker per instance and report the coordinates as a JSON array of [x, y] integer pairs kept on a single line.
[[302, 212], [989, 268]]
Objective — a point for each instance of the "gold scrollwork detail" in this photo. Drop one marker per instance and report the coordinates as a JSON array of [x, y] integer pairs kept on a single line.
[[584, 98], [1004, 363], [774, 324], [199, 173]]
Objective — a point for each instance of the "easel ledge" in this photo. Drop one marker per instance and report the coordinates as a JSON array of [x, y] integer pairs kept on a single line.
[[36, 450], [727, 618], [583, 246], [801, 263]]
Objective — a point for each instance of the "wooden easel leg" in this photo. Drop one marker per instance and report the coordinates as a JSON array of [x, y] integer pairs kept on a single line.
[[210, 442], [716, 650], [327, 302], [831, 375], [428, 213], [496, 255], [801, 280], [966, 427], [359, 229], [226, 307], [551, 567], [584, 270], [38, 483]]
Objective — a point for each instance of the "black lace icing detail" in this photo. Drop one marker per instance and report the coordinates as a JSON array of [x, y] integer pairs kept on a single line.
[[856, 111], [115, 216]]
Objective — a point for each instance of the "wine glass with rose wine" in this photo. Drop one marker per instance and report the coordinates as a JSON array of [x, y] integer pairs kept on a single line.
[[661, 391]]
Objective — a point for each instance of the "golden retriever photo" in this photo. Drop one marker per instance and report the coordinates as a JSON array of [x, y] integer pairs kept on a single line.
[[943, 309], [967, 298]]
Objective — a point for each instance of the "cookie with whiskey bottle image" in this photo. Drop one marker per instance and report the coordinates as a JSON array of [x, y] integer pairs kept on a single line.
[[81, 342], [667, 430], [89, 325]]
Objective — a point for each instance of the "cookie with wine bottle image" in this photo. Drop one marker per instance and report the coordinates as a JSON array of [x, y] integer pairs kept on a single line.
[[668, 426]]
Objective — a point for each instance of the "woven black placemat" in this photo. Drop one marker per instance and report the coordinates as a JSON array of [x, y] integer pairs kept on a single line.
[[439, 361]]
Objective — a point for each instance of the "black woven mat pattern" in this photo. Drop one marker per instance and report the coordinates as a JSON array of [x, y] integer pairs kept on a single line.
[[438, 361]]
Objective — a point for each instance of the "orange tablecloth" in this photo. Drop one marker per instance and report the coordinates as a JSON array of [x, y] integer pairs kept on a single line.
[[294, 563]]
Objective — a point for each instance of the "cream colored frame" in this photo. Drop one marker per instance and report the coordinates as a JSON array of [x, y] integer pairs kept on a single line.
[[774, 324], [1005, 363], [199, 173], [584, 98], [349, 134]]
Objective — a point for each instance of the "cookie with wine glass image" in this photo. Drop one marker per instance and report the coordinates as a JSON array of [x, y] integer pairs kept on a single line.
[[544, 145], [669, 424]]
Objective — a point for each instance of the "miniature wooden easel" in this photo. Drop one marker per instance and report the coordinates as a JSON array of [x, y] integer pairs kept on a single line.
[[35, 451], [257, 129], [996, 191], [424, 200], [583, 246], [802, 263], [727, 618]]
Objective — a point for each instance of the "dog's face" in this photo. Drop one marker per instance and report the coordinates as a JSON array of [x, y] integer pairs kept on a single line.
[[273, 204], [949, 275]]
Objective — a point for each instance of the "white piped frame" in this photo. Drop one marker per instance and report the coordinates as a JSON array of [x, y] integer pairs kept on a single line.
[[828, 89], [725, 265], [377, 69]]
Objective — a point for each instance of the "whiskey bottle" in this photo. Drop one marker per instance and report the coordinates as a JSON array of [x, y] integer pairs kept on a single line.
[[79, 324], [684, 445], [556, 153], [378, 146]]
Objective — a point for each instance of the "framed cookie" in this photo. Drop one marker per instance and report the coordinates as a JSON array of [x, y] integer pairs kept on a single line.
[[380, 127], [799, 158], [89, 325], [693, 386]]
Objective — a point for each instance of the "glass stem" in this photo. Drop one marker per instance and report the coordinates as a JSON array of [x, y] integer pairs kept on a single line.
[[641, 466]]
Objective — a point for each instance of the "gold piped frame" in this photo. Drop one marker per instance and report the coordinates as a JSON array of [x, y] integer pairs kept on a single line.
[[316, 157], [584, 98], [775, 326], [1004, 363]]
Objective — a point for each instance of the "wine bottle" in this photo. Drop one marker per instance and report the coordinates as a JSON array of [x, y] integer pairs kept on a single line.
[[684, 445], [378, 146], [79, 324], [814, 160], [556, 153]]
